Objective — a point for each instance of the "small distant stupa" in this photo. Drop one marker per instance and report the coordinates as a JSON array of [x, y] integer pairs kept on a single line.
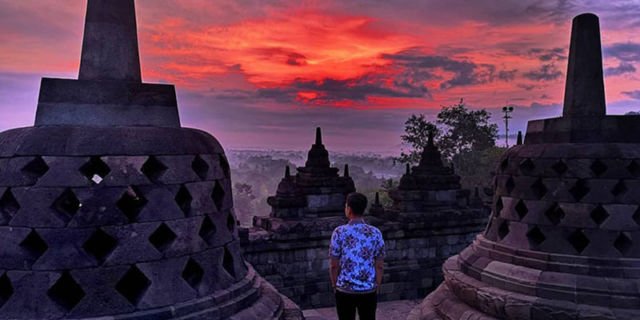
[[427, 189], [289, 247], [315, 191]]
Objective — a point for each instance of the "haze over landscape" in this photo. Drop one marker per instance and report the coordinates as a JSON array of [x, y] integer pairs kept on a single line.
[[263, 76]]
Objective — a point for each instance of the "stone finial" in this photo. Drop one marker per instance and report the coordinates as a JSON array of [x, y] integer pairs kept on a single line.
[[110, 44], [377, 200], [584, 90], [519, 138], [318, 156], [109, 91], [318, 136], [431, 156], [408, 169], [287, 172], [346, 170]]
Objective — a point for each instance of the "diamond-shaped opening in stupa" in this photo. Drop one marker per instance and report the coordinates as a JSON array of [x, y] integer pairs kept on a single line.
[[34, 245], [578, 240], [133, 285], [227, 263], [9, 206], [131, 203], [183, 199], [35, 168], [162, 238], [579, 190], [535, 236], [67, 204], [559, 167], [153, 168], [6, 289], [521, 209], [526, 166], [95, 170], [503, 229], [193, 274], [599, 215], [207, 230], [100, 245], [200, 167], [217, 195], [66, 292]]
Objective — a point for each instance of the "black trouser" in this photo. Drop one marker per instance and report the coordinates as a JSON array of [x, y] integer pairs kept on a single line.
[[347, 303]]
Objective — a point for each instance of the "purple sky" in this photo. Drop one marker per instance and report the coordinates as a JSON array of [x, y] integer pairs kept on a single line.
[[264, 76]]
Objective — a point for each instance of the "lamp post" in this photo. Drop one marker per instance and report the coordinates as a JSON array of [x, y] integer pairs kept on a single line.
[[507, 115]]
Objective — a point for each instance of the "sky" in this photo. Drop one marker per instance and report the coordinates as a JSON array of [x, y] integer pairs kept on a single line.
[[263, 74]]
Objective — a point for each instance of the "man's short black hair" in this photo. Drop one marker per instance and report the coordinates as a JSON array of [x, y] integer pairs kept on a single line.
[[357, 202]]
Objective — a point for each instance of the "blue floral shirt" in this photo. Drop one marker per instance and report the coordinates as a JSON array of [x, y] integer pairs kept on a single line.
[[357, 245]]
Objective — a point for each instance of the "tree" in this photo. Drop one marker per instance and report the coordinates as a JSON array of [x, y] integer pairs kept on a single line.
[[416, 130], [466, 130], [465, 138], [458, 130]]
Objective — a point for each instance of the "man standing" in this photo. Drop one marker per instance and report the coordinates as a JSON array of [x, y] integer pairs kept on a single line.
[[356, 260]]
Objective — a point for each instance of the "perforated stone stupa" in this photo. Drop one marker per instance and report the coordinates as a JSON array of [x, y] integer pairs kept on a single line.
[[563, 238], [109, 208]]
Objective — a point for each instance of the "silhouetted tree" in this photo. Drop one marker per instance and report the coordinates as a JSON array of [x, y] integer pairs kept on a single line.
[[416, 130], [465, 137], [465, 130]]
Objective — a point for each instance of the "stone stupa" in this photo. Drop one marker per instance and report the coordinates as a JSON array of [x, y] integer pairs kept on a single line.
[[109, 208], [289, 247], [315, 191], [563, 240], [425, 188]]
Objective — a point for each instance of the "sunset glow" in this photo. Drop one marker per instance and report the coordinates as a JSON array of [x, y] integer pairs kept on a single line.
[[357, 69]]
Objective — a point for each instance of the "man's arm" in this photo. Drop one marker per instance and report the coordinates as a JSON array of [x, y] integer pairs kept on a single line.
[[334, 270], [335, 252], [379, 271], [380, 261]]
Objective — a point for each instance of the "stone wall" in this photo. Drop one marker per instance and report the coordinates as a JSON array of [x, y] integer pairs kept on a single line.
[[294, 257]]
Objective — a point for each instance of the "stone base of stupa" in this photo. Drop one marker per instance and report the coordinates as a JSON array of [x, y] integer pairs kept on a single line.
[[251, 298], [476, 287]]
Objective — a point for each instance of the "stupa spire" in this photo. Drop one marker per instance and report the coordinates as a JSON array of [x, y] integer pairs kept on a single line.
[[430, 156], [318, 156], [584, 89], [318, 136], [110, 43]]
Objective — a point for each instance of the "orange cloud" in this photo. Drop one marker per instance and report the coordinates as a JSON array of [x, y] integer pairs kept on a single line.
[[280, 48]]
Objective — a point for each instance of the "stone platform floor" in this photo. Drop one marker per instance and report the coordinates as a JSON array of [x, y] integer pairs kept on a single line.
[[388, 310]]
